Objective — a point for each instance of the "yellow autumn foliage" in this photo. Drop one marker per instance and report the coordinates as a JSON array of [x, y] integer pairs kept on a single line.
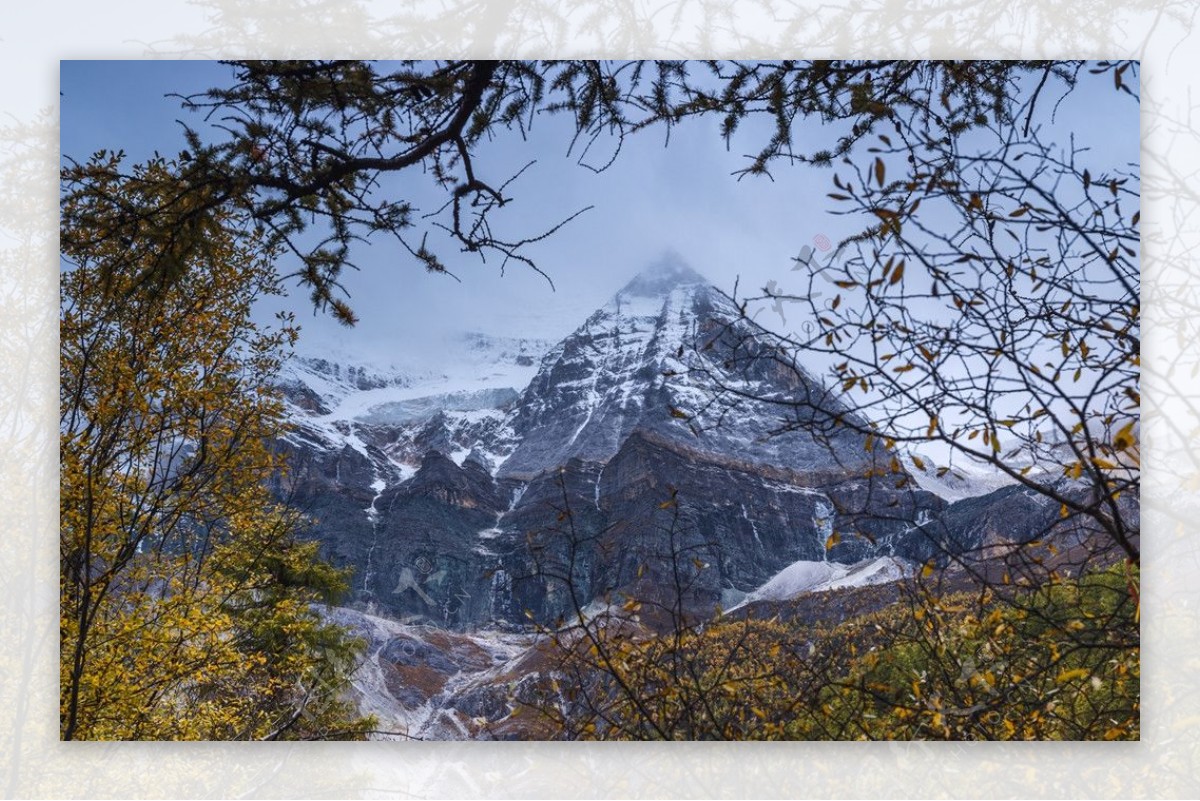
[[188, 601], [1059, 662]]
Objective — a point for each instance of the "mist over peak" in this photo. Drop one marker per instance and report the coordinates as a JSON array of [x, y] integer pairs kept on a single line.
[[662, 276]]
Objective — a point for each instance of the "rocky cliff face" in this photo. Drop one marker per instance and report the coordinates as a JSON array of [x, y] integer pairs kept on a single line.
[[552, 479]]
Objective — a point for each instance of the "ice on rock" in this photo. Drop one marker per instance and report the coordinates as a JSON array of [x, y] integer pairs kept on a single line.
[[805, 576]]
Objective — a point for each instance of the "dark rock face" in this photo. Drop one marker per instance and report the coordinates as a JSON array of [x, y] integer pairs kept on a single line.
[[612, 476], [983, 533], [662, 526], [1006, 514], [424, 560], [333, 488]]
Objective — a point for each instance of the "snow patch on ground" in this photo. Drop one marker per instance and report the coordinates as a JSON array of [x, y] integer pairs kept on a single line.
[[804, 576]]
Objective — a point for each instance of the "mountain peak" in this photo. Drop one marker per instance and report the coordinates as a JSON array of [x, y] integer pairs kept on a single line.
[[662, 276]]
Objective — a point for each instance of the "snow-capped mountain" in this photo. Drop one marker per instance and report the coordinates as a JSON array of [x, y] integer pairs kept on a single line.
[[661, 449], [654, 359], [449, 404], [460, 373], [513, 478]]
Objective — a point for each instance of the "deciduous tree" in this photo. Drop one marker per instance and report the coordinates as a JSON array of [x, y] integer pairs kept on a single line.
[[188, 599]]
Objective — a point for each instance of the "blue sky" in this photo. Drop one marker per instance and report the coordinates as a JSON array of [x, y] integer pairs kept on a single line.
[[653, 199]]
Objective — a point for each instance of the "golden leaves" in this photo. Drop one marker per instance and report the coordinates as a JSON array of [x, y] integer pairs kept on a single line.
[[952, 666], [165, 419], [1125, 438], [1070, 675]]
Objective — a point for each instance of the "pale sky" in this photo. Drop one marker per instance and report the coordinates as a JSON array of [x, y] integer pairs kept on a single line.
[[651, 200]]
